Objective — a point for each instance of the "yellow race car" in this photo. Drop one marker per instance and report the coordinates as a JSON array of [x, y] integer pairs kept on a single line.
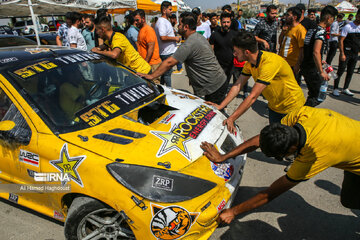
[[86, 141]]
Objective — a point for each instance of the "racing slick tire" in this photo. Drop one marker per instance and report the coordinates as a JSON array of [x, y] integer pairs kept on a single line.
[[89, 218]]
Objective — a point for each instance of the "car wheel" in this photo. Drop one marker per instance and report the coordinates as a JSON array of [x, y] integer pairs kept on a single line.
[[46, 29], [89, 218], [31, 32]]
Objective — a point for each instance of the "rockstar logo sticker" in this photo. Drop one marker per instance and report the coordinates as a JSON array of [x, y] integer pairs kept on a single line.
[[67, 164], [171, 142]]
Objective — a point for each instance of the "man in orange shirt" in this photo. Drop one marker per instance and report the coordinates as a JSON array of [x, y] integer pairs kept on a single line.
[[147, 43]]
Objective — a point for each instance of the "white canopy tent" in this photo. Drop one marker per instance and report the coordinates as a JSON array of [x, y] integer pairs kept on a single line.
[[181, 6], [345, 6], [21, 8]]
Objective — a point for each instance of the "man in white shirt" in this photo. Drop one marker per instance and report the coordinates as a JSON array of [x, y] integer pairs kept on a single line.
[[74, 37], [202, 28], [334, 35], [166, 38]]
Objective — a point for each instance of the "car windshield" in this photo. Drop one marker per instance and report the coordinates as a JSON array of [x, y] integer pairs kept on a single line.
[[74, 92], [15, 41]]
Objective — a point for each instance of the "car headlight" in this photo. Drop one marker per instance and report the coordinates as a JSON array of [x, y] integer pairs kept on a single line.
[[159, 185]]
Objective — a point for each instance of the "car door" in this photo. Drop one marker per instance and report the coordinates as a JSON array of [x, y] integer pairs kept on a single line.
[[18, 150]]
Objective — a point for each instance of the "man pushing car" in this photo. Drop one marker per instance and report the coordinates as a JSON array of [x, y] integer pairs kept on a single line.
[[319, 139]]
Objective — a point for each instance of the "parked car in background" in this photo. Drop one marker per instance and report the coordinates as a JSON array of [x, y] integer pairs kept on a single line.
[[12, 40], [4, 29], [27, 27], [251, 23], [57, 24], [45, 38]]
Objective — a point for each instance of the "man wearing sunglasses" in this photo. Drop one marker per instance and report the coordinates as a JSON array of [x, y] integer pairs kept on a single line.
[[319, 139]]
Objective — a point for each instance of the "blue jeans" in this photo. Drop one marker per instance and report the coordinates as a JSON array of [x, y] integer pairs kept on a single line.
[[275, 117], [179, 66], [166, 77]]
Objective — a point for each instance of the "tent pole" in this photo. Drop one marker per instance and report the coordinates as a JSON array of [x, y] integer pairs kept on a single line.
[[33, 17]]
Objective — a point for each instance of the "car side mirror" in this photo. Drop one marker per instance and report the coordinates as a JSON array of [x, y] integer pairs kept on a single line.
[[7, 125], [12, 135]]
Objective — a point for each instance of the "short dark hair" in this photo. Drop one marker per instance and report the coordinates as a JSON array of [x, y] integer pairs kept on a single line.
[[211, 15], [103, 19], [130, 17], [301, 6], [271, 7], [101, 12], [172, 16], [328, 10], [351, 15], [296, 12], [276, 139], [341, 15], [226, 7], [165, 5], [204, 14], [139, 12], [246, 41], [225, 15], [90, 16], [240, 10], [76, 16], [312, 10], [190, 19], [68, 15]]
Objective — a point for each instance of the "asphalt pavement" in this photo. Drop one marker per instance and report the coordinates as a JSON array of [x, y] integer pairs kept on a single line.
[[311, 210]]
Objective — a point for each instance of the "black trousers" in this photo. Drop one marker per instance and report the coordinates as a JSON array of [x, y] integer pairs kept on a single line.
[[350, 191], [313, 82], [332, 51], [350, 63], [219, 95]]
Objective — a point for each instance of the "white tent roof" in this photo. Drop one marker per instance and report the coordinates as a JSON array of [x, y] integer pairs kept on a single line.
[[13, 8], [345, 6], [180, 4]]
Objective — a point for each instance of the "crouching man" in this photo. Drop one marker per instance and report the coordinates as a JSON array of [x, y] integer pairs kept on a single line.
[[319, 139]]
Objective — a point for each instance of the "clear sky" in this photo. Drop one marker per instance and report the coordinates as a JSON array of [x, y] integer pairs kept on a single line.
[[212, 4]]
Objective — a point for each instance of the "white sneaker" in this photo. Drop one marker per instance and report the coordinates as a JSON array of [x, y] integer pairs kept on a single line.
[[348, 92], [336, 92]]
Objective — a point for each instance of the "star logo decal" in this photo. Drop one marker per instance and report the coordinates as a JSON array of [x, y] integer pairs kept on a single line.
[[69, 165], [172, 141]]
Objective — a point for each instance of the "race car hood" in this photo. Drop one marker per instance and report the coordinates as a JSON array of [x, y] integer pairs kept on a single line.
[[170, 133]]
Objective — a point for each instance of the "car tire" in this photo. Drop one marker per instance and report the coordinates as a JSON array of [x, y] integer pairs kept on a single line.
[[46, 29], [90, 218], [31, 32]]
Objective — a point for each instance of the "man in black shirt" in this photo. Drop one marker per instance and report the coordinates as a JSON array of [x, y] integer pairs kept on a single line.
[[265, 30], [306, 22], [222, 45], [214, 23], [234, 23], [313, 51]]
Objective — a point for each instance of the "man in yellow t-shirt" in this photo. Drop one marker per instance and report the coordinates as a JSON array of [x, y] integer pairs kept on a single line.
[[273, 78], [292, 39], [319, 139], [117, 46]]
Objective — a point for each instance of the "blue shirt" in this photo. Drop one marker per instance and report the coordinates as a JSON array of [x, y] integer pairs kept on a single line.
[[132, 34], [62, 33], [89, 38]]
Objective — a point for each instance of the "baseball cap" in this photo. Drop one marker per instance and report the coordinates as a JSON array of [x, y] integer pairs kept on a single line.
[[196, 11]]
